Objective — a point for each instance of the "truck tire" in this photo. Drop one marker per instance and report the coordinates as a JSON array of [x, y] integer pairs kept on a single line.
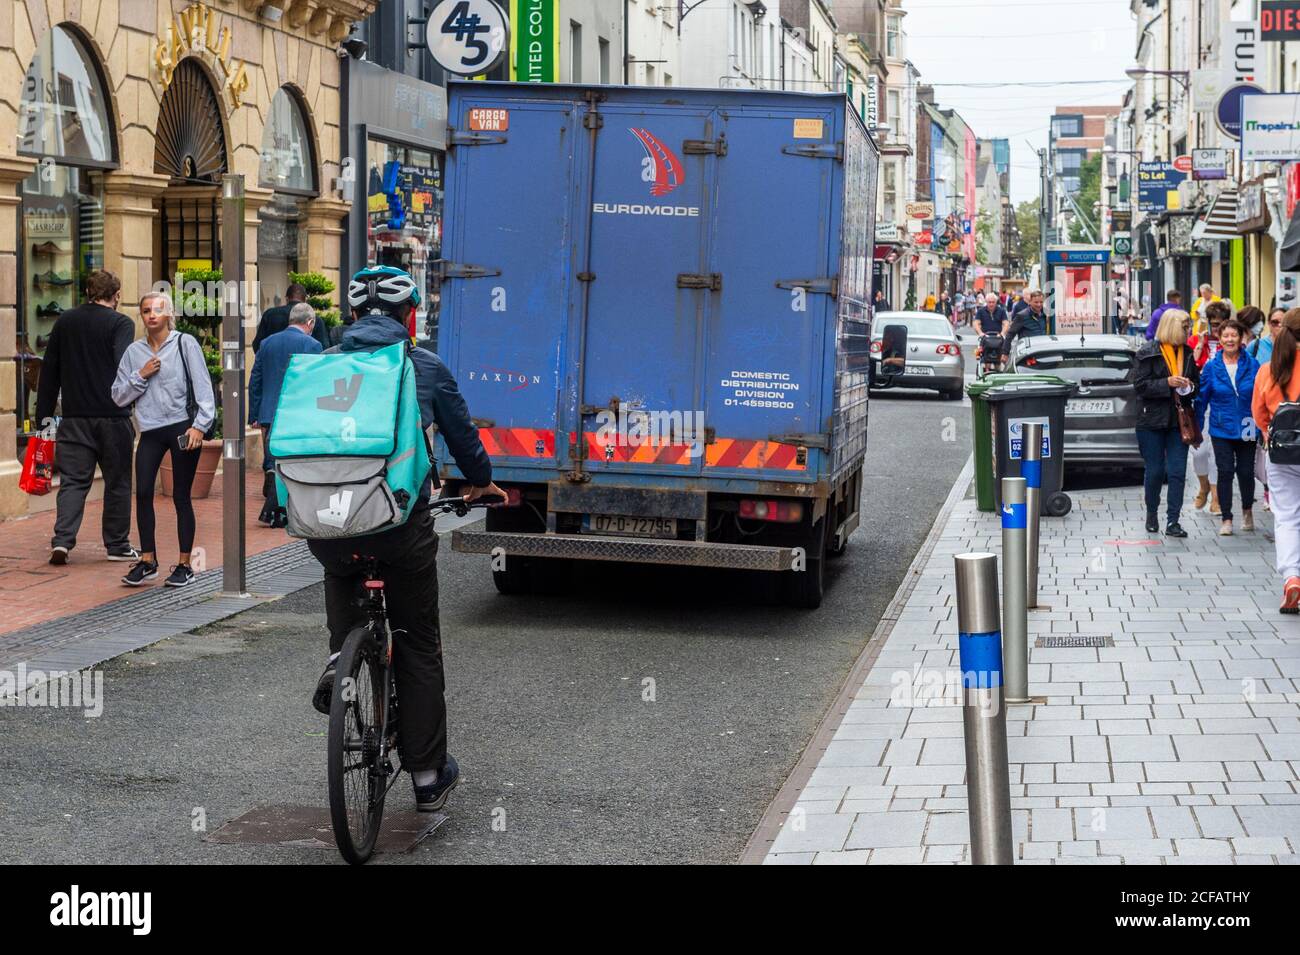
[[517, 577], [806, 587]]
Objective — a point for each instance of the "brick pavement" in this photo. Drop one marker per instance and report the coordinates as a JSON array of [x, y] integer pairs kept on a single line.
[[1179, 744]]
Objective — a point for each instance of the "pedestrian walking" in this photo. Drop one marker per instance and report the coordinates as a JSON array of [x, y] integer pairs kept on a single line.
[[1227, 387], [1277, 387], [881, 303], [276, 319], [166, 378], [1205, 295], [1165, 378], [1261, 349], [81, 358], [1173, 300], [1205, 346], [264, 383], [929, 304]]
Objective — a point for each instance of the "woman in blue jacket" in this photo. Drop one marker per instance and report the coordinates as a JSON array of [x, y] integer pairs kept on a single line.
[[1227, 387]]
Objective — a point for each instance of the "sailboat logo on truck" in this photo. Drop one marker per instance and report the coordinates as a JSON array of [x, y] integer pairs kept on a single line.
[[661, 165]]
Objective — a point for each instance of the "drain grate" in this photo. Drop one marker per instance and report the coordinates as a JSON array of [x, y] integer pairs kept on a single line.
[[1071, 640]]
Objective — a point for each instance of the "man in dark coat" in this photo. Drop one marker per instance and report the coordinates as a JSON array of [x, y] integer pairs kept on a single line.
[[276, 319]]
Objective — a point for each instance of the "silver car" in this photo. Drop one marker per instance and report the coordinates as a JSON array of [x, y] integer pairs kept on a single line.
[[934, 359], [1101, 417]]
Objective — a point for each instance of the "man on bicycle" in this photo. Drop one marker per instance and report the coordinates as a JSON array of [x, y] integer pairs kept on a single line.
[[991, 319], [382, 299]]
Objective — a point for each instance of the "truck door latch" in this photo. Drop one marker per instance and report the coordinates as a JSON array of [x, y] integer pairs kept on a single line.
[[820, 441], [828, 286], [444, 269], [816, 150], [462, 137], [703, 147], [705, 280]]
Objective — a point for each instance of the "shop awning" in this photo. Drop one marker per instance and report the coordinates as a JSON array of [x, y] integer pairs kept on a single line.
[[1220, 220]]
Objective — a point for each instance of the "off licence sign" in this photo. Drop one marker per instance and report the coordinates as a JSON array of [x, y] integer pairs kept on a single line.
[[1279, 20]]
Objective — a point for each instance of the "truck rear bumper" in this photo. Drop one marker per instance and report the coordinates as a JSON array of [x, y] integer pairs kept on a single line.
[[638, 550]]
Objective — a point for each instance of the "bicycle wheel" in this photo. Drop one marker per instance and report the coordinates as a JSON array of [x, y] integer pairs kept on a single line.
[[357, 784]]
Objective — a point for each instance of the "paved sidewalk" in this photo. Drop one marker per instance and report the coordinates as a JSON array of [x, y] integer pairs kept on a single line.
[[1178, 744]]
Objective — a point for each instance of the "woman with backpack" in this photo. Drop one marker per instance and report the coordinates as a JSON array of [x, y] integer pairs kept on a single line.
[[1277, 387], [1227, 388], [165, 376], [1165, 377]]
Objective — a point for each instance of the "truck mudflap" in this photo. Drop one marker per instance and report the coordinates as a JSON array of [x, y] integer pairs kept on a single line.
[[637, 550]]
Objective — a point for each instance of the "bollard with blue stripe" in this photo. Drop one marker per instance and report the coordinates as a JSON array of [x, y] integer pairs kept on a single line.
[[984, 720], [1031, 469], [1015, 617]]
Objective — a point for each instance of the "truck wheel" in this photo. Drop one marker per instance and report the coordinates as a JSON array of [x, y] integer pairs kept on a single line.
[[806, 587], [515, 579], [1059, 504], [552, 575]]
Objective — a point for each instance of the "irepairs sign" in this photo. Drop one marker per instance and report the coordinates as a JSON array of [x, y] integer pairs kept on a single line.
[[1270, 127]]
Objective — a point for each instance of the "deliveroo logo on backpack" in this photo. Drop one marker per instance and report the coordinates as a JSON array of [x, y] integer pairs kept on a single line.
[[346, 392], [336, 514]]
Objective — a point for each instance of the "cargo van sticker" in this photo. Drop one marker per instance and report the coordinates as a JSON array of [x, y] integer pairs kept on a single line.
[[661, 165], [489, 120], [807, 129], [759, 389], [517, 380]]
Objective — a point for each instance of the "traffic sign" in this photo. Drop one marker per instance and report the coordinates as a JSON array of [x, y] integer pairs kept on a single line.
[[1228, 111], [467, 37]]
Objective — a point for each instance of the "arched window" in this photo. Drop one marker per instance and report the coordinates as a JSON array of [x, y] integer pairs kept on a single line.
[[64, 111], [288, 161], [288, 169]]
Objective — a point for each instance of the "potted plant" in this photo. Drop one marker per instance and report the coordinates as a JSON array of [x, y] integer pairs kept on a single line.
[[198, 313]]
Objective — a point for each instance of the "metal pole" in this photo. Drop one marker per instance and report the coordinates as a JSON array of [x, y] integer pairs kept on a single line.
[[1015, 616], [984, 718], [233, 578], [1031, 469]]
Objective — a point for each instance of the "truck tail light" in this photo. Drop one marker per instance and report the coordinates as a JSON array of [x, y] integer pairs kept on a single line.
[[514, 497], [785, 512], [875, 348], [949, 349]]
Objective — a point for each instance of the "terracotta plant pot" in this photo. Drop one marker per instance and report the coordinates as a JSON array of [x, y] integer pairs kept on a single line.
[[209, 458]]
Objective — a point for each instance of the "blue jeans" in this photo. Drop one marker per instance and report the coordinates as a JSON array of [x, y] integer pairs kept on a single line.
[[1165, 457]]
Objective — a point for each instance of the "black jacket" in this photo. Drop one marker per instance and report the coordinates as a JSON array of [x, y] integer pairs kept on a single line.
[[85, 346], [441, 402], [1150, 378], [276, 319], [990, 323], [1026, 324]]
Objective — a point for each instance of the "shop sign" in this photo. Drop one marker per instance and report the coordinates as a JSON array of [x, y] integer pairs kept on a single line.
[[467, 37], [196, 31], [1210, 164], [1270, 128], [886, 232], [1292, 188], [920, 210], [535, 41], [1158, 186], [1252, 215], [1279, 20]]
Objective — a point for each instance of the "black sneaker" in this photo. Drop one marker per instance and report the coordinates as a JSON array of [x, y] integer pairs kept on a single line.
[[123, 552], [58, 556], [434, 796], [140, 571], [1153, 524], [324, 692], [1175, 530], [180, 576]]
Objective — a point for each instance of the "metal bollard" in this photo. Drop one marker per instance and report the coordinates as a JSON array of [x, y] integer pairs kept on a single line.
[[1031, 469], [1015, 615], [984, 719]]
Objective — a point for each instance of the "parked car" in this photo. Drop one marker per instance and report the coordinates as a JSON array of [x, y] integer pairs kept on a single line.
[[1101, 417], [934, 358]]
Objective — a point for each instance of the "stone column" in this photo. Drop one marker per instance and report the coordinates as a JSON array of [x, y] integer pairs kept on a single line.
[[324, 227], [130, 219], [13, 170]]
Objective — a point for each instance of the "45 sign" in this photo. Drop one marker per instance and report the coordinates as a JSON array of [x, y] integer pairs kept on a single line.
[[468, 37]]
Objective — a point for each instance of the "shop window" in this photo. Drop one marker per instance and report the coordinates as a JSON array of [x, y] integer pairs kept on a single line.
[[63, 120], [287, 167], [404, 219]]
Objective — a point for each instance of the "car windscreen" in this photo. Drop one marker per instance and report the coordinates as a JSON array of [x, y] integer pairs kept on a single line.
[[915, 325], [1080, 365]]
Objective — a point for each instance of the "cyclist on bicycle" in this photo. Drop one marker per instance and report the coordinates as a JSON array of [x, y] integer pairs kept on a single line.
[[382, 299]]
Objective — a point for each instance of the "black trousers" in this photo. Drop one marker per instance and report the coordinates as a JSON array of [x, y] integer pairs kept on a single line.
[[185, 464], [1234, 458], [80, 445], [409, 569]]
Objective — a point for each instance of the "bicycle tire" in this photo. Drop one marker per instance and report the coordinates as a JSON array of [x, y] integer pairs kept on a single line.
[[356, 831]]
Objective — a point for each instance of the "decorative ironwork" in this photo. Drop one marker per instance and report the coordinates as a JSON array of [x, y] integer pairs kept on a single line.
[[191, 143]]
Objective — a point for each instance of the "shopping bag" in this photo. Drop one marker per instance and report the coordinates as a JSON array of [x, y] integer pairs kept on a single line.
[[38, 467]]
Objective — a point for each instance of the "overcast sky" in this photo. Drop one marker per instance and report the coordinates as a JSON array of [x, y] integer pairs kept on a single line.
[[1004, 41]]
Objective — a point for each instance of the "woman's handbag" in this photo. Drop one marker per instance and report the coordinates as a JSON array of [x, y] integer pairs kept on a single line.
[[192, 403], [1189, 429]]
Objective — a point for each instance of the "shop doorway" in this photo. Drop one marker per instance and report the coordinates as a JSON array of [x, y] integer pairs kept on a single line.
[[190, 149]]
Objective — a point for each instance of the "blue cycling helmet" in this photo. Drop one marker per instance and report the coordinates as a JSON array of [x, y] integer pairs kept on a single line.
[[383, 288]]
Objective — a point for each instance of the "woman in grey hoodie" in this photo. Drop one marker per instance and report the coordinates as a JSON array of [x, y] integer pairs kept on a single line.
[[165, 377]]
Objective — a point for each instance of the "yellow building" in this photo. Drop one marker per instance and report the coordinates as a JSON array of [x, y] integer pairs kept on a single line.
[[117, 120]]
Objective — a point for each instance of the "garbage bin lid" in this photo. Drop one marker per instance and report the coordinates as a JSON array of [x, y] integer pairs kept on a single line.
[[984, 385], [1029, 389]]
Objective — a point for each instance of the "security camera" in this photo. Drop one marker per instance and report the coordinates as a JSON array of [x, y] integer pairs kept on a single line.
[[354, 47]]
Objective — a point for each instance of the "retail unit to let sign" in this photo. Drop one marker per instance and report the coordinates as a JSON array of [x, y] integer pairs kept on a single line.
[[1270, 127], [1158, 186], [535, 41]]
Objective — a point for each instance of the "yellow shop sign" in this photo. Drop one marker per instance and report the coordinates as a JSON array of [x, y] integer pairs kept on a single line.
[[196, 30]]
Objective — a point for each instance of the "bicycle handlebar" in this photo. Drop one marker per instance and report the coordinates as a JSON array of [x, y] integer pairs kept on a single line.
[[462, 506]]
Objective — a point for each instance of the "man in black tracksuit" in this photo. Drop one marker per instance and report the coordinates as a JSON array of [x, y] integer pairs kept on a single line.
[[1028, 321], [80, 362]]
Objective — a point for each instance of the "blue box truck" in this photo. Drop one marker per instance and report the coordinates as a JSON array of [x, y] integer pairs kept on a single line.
[[656, 303]]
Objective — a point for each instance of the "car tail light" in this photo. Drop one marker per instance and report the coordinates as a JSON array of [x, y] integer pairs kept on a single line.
[[1031, 361], [785, 512], [949, 349], [875, 348]]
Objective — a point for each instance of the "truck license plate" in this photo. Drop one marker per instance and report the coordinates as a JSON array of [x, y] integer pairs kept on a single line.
[[630, 526], [1090, 406]]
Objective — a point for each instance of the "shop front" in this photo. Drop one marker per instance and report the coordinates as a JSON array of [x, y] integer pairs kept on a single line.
[[112, 152], [1258, 264]]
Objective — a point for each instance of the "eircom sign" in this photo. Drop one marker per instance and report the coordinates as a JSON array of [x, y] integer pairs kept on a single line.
[[1270, 127]]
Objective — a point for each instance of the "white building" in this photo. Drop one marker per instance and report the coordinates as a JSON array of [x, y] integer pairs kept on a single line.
[[653, 43], [591, 41]]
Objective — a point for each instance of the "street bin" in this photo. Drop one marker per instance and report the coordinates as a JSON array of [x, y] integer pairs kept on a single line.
[[1038, 398], [982, 433]]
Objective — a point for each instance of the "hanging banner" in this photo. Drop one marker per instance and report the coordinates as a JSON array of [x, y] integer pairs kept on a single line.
[[535, 41]]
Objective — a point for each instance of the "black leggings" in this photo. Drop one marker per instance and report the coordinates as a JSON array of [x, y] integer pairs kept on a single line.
[[148, 458], [1235, 459]]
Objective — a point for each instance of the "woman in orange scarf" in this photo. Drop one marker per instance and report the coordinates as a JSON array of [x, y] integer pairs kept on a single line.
[[1164, 375], [1278, 382]]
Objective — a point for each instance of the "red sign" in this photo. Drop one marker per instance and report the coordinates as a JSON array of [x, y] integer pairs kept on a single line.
[[1292, 188], [1183, 163], [925, 238], [494, 120], [1279, 20]]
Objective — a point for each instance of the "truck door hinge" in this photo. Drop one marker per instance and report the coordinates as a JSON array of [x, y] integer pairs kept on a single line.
[[705, 280], [827, 286], [593, 120], [443, 270], [710, 435], [819, 441], [704, 147], [816, 150], [464, 137], [586, 276]]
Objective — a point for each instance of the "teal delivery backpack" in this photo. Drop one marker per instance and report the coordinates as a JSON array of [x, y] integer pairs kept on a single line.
[[350, 452]]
